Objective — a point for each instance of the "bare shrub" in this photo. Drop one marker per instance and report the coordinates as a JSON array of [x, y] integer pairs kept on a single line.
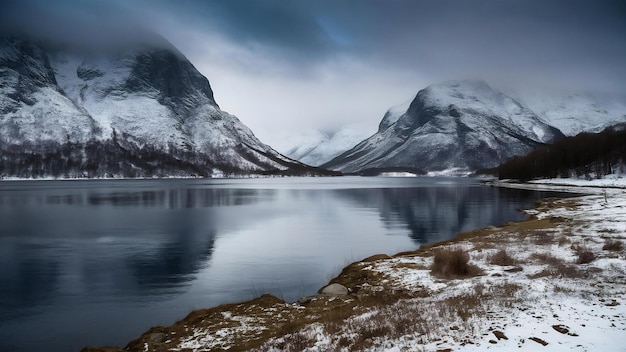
[[297, 341], [585, 255], [563, 240], [546, 258], [502, 258], [613, 245], [453, 263], [542, 239], [557, 267]]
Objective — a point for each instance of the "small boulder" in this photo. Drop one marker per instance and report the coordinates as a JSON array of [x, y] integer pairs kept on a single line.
[[334, 289], [500, 335]]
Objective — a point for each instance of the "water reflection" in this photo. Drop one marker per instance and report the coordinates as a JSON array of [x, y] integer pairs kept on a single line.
[[433, 214], [94, 243], [26, 279], [173, 264]]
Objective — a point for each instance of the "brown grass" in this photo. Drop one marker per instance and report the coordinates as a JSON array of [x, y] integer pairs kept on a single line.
[[557, 268], [559, 271], [453, 263], [563, 240], [613, 245], [546, 258], [502, 258], [585, 255]]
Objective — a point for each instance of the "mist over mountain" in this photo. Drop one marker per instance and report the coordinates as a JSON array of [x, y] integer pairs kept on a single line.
[[575, 112], [314, 147]]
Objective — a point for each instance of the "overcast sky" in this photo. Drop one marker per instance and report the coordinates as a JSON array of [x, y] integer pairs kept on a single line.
[[283, 66]]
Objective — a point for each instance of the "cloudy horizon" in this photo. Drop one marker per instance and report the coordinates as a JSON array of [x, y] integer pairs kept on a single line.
[[287, 66]]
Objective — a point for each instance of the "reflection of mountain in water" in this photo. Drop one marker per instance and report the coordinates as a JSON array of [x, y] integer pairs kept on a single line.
[[437, 213], [178, 198], [102, 243], [171, 198], [20, 285], [173, 264]]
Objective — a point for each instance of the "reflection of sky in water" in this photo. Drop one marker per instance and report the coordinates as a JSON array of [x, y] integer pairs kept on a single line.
[[99, 262]]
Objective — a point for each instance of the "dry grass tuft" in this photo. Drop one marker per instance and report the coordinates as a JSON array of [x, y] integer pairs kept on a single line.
[[585, 255], [563, 240], [613, 245], [557, 268], [542, 238], [546, 258], [502, 258], [453, 263]]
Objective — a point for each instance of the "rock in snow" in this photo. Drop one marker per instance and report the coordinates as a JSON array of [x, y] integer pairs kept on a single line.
[[334, 289]]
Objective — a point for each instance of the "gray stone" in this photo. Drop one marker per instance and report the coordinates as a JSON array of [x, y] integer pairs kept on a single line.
[[334, 289]]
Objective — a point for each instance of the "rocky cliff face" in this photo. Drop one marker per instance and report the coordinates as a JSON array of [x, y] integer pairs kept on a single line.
[[451, 125], [133, 99]]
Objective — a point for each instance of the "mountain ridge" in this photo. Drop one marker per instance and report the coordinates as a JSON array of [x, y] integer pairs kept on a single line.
[[140, 97], [453, 124]]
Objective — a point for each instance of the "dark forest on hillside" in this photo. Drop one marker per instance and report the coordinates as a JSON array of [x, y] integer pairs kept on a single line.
[[121, 157], [586, 155]]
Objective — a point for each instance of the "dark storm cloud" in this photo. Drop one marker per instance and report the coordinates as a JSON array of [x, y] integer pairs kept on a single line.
[[327, 63], [93, 23], [517, 39], [441, 39]]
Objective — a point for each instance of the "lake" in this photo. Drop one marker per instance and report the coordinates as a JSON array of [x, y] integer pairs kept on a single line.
[[98, 262]]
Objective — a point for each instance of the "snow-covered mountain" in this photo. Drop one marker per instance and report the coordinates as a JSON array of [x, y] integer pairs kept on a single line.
[[314, 147], [135, 98], [451, 125], [573, 113]]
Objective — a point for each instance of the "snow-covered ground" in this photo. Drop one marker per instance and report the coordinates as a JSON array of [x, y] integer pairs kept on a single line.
[[574, 185], [556, 282]]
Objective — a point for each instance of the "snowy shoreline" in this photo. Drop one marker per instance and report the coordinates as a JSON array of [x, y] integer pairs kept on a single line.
[[570, 185], [554, 282]]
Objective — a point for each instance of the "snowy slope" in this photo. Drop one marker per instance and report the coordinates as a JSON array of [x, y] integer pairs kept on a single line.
[[32, 106], [392, 115], [454, 124], [148, 95], [314, 147], [573, 113]]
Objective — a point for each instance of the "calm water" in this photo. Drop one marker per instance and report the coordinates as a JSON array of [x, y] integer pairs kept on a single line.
[[99, 262]]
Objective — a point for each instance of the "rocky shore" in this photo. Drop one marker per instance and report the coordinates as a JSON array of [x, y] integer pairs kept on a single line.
[[554, 282]]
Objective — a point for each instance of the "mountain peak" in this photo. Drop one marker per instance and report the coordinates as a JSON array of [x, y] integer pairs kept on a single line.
[[114, 106], [454, 124]]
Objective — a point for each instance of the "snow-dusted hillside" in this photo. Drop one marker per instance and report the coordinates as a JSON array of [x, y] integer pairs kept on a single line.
[[314, 147], [140, 94], [455, 124], [576, 112]]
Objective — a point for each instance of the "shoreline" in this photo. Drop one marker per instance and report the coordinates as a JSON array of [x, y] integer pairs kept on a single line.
[[384, 286]]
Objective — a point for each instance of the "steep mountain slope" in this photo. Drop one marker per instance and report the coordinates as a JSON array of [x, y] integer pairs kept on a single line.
[[136, 98], [455, 124], [314, 147]]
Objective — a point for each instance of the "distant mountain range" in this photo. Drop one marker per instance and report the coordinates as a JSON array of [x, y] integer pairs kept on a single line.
[[314, 147], [136, 110], [456, 124], [459, 126], [143, 110]]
